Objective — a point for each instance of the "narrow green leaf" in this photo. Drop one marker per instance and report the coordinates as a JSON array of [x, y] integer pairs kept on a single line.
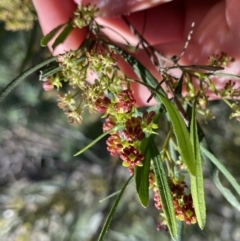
[[197, 185], [226, 192], [203, 67], [112, 211], [63, 35], [45, 40], [139, 69], [142, 173], [164, 190], [93, 142], [227, 75], [7, 90], [182, 135], [221, 168], [112, 195], [49, 71]]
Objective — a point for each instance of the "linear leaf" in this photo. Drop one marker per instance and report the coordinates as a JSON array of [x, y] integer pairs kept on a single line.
[[112, 211], [197, 185], [45, 40], [226, 192], [93, 142], [63, 35], [138, 68], [164, 190], [221, 168], [112, 194], [7, 90], [142, 173], [182, 135]]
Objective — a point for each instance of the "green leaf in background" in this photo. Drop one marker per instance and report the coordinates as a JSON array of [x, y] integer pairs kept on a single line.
[[182, 135], [163, 189], [226, 192], [197, 185], [45, 40], [142, 173], [221, 168], [112, 211], [63, 35]]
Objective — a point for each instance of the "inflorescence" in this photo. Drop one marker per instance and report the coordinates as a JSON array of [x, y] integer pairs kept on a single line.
[[95, 82]]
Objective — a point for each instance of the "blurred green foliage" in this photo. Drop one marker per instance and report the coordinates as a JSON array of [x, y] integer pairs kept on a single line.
[[17, 14]]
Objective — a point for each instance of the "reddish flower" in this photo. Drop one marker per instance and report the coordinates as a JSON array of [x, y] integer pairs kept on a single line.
[[157, 200], [188, 209], [131, 157], [109, 123], [148, 116], [151, 179], [177, 188], [102, 104], [182, 203], [126, 101], [47, 85], [114, 144], [133, 131]]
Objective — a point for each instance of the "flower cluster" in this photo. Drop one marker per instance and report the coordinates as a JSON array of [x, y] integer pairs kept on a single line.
[[221, 59], [182, 202], [198, 84], [74, 66], [77, 67], [126, 130], [109, 94], [68, 104], [84, 15]]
